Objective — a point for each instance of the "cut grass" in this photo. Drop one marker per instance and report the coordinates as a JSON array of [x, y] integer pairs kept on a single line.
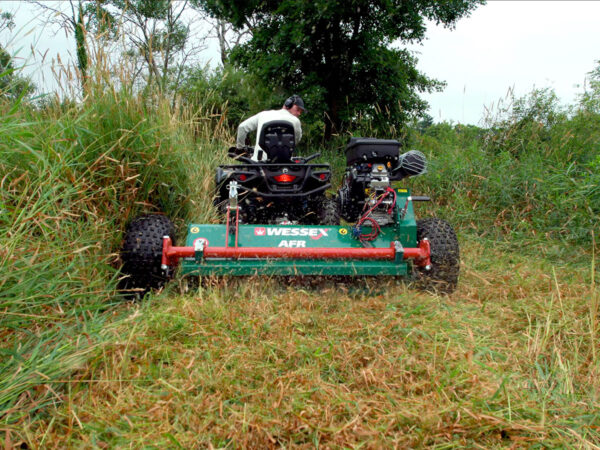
[[509, 359]]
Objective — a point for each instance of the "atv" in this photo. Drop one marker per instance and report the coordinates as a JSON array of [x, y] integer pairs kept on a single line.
[[284, 189]]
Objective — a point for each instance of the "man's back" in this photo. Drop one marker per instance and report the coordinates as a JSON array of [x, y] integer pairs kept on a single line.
[[258, 120]]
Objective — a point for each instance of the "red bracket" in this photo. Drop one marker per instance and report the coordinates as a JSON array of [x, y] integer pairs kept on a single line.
[[235, 223]]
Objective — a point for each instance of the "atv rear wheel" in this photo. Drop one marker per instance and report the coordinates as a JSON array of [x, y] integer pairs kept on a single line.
[[329, 213], [445, 259], [142, 253]]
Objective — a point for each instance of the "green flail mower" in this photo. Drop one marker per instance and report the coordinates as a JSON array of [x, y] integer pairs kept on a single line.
[[382, 237]]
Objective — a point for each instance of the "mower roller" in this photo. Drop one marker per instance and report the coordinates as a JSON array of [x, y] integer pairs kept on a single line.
[[385, 238]]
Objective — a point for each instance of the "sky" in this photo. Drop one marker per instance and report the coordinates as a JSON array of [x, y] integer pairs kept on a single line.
[[501, 46], [517, 45]]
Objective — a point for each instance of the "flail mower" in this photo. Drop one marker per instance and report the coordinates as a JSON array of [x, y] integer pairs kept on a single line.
[[268, 228]]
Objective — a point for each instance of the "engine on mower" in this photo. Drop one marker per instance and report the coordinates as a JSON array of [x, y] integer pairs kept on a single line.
[[366, 195]]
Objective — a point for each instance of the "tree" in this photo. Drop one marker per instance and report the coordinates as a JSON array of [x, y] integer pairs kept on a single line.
[[228, 37], [589, 101], [161, 35], [6, 21], [156, 34], [341, 55], [84, 16], [12, 85]]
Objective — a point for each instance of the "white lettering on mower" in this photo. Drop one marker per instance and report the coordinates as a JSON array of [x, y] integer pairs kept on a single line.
[[292, 244], [313, 233]]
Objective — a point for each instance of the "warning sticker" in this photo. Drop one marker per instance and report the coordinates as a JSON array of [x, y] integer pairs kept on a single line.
[[343, 231], [204, 240]]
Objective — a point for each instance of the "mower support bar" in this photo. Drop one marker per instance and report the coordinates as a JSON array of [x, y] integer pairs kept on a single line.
[[171, 254]]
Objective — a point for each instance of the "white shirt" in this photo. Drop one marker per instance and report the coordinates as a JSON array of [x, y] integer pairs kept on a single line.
[[258, 120]]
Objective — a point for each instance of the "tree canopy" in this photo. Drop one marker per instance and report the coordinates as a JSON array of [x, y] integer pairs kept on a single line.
[[341, 55], [12, 83]]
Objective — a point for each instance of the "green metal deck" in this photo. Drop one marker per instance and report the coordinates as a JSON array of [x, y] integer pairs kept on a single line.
[[301, 236]]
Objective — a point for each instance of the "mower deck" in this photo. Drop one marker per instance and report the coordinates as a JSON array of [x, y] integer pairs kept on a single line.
[[233, 249]]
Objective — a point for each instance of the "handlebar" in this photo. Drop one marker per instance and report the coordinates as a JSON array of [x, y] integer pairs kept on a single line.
[[241, 158], [307, 159]]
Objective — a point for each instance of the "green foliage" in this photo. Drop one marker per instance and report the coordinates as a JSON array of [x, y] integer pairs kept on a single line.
[[157, 33], [590, 99], [13, 86], [229, 94], [6, 20], [82, 56], [72, 176], [525, 124], [533, 175], [338, 55], [99, 19]]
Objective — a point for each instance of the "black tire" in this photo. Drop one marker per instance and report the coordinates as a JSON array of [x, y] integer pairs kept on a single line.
[[142, 254], [329, 213], [347, 208], [442, 278]]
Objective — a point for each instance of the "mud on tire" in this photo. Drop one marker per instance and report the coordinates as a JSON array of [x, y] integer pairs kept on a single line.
[[445, 257], [142, 253]]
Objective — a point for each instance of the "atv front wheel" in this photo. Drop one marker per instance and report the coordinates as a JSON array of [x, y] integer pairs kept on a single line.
[[442, 276], [142, 253]]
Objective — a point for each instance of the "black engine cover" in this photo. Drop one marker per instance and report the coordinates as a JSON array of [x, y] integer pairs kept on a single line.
[[372, 150]]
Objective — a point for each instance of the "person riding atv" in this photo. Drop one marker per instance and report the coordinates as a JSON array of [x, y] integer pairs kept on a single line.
[[290, 112], [274, 186]]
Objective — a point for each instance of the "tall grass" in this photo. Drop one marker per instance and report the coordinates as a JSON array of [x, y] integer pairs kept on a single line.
[[72, 174], [522, 178]]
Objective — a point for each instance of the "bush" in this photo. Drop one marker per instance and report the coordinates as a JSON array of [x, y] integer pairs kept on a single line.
[[531, 174]]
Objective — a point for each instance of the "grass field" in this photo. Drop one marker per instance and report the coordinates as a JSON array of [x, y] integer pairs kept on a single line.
[[510, 359]]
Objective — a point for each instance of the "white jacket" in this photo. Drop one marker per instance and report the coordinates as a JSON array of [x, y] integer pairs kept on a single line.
[[256, 122]]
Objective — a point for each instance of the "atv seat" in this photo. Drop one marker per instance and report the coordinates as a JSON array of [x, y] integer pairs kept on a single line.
[[278, 140]]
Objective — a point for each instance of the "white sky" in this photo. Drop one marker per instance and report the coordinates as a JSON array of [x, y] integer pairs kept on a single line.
[[510, 44], [502, 45]]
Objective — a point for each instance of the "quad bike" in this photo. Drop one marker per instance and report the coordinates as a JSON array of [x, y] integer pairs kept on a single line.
[[284, 189], [382, 236]]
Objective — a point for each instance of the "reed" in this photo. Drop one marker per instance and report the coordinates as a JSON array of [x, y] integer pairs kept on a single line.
[[73, 174]]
